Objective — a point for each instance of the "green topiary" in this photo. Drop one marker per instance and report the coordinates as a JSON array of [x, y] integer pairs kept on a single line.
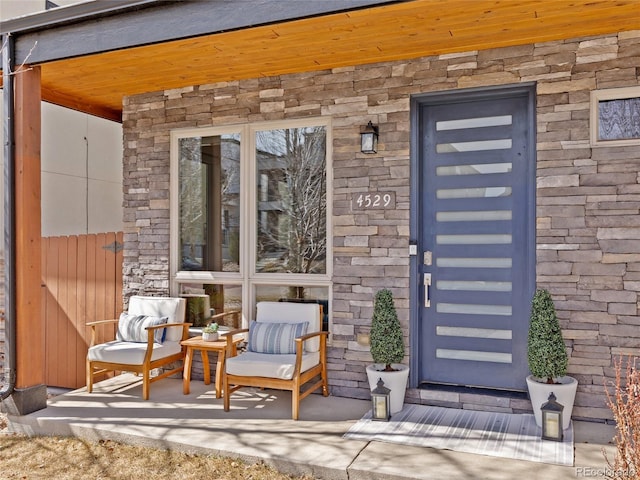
[[546, 352], [387, 343]]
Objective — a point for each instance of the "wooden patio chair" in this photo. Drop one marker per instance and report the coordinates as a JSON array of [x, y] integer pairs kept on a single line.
[[286, 350], [148, 337]]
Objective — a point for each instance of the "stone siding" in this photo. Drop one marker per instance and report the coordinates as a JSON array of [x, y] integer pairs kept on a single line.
[[588, 199]]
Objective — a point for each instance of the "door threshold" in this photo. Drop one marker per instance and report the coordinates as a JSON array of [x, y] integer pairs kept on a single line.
[[492, 392]]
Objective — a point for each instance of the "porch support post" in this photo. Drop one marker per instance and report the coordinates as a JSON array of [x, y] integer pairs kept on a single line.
[[30, 392]]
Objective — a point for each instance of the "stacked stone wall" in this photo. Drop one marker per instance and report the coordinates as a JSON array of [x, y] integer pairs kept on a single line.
[[588, 199]]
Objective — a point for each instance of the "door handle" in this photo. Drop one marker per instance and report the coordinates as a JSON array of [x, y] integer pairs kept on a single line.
[[427, 284]]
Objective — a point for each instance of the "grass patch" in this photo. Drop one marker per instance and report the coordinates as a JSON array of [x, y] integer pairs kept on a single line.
[[28, 458]]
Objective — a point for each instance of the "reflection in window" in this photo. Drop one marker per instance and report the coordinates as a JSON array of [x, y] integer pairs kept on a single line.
[[207, 303], [291, 200], [296, 293], [209, 197], [256, 195], [619, 119]]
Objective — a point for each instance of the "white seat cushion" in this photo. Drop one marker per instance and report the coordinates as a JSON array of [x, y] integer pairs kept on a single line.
[[171, 307], [252, 364], [131, 353]]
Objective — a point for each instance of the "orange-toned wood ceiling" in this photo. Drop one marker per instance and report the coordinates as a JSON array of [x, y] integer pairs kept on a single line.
[[97, 83]]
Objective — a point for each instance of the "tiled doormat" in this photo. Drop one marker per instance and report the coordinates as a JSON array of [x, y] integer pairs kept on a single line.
[[485, 433]]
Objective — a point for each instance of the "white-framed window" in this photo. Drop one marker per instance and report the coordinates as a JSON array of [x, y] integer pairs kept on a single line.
[[250, 216], [615, 117]]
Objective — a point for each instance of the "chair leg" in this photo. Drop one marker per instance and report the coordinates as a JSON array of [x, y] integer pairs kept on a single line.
[[325, 382], [145, 384], [89, 377], [295, 401], [225, 391]]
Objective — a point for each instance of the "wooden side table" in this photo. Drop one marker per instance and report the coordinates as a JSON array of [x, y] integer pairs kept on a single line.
[[219, 346]]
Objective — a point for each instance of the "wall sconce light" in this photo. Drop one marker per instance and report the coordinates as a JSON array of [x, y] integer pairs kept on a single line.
[[380, 403], [552, 419], [369, 139]]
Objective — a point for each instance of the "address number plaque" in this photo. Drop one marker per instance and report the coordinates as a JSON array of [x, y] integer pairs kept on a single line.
[[373, 201]]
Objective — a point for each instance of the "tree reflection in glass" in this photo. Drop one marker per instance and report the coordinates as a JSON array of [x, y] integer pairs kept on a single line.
[[291, 200]]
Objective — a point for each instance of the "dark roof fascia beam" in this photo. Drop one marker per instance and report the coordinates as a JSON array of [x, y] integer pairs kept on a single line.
[[166, 21], [68, 14]]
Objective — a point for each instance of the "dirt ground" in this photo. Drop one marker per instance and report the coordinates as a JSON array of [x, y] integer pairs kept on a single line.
[[54, 458]]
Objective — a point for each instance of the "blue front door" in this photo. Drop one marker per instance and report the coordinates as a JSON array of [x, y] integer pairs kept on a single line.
[[475, 221]]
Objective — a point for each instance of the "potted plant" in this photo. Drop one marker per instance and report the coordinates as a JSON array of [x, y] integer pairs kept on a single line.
[[210, 332], [548, 360], [387, 350]]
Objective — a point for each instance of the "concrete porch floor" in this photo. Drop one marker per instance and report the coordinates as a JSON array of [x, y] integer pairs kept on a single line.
[[259, 428]]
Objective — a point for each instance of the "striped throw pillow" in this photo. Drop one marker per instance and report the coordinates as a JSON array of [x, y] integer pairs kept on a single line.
[[131, 328], [276, 338]]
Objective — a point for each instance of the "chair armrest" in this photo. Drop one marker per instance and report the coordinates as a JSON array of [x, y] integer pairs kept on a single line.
[[231, 333], [93, 326], [234, 313], [151, 330], [229, 338], [167, 325], [306, 337], [101, 322], [151, 335], [300, 347], [303, 338]]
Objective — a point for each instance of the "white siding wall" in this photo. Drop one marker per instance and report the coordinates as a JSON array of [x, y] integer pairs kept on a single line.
[[18, 8], [81, 160], [81, 173]]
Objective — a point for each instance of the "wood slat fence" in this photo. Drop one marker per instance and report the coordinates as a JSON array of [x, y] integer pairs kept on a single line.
[[81, 282]]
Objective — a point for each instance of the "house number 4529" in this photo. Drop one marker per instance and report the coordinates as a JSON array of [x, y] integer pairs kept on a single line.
[[373, 200]]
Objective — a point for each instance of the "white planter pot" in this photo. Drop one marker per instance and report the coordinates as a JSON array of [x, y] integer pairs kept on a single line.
[[210, 337], [565, 393], [395, 381]]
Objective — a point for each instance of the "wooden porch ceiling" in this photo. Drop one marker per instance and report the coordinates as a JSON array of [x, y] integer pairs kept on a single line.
[[97, 83]]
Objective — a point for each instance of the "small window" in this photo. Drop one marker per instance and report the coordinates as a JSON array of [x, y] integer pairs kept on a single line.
[[615, 117]]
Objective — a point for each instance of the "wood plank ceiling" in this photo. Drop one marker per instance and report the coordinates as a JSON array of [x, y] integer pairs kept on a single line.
[[97, 84]]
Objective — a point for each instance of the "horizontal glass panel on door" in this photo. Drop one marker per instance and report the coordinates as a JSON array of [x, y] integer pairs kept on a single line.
[[478, 169], [474, 355], [209, 203], [476, 146], [476, 122], [474, 216]]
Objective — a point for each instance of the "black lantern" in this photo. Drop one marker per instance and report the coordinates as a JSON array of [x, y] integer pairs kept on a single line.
[[369, 139], [552, 419], [380, 403]]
